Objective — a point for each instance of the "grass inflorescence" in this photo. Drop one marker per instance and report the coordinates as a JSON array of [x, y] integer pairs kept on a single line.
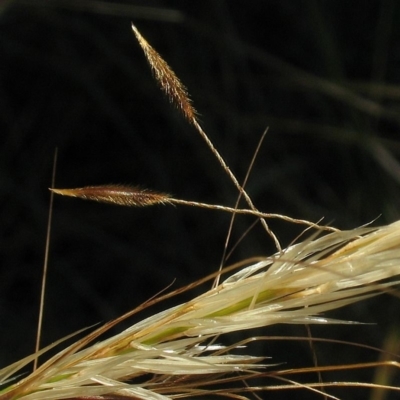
[[177, 353]]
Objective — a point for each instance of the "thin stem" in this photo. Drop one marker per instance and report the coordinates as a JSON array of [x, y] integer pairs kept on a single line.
[[246, 211], [45, 263], [228, 236]]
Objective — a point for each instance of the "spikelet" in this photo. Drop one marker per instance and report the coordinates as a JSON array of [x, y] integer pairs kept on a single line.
[[117, 194], [178, 95], [169, 82], [137, 197]]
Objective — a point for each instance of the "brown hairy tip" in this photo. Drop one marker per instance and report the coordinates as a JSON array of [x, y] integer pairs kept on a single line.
[[167, 79], [117, 194]]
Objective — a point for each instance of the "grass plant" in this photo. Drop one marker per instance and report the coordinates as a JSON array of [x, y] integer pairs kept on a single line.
[[180, 352]]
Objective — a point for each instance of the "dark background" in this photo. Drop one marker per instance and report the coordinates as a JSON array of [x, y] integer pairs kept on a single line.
[[323, 76]]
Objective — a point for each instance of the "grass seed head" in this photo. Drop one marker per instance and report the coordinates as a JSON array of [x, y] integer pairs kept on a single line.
[[117, 194], [293, 286]]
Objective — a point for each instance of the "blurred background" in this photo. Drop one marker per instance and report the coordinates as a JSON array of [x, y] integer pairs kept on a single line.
[[323, 77]]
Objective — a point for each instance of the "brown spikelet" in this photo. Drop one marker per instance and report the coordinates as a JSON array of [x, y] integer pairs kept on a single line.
[[177, 93], [117, 194], [167, 79]]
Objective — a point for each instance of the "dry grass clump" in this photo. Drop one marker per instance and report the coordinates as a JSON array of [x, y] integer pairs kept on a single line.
[[178, 346]]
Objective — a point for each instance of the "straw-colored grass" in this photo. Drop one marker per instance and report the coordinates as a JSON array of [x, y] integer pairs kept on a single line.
[[177, 347], [177, 353]]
